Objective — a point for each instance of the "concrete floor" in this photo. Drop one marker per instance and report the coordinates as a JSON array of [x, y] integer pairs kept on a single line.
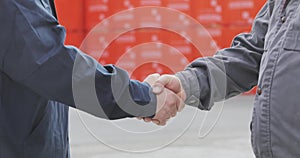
[[221, 133]]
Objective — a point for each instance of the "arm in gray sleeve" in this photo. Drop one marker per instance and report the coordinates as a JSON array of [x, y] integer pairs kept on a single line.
[[37, 58], [231, 71]]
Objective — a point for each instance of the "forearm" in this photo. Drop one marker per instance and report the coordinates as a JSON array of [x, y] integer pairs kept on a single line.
[[37, 58], [105, 92], [230, 72]]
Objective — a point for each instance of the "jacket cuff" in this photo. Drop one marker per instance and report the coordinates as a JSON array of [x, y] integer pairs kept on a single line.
[[191, 86], [145, 98]]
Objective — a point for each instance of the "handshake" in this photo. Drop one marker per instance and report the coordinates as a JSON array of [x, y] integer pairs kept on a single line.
[[170, 97]]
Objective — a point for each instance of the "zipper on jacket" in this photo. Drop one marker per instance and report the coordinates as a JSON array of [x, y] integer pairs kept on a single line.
[[283, 13], [286, 2]]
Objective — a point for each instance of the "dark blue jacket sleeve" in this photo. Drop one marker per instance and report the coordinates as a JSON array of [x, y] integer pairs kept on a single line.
[[34, 55]]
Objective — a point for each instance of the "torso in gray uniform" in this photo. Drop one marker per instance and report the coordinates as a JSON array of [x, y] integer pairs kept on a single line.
[[268, 56]]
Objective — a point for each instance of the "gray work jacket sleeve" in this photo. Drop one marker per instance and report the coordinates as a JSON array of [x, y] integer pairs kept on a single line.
[[230, 71]]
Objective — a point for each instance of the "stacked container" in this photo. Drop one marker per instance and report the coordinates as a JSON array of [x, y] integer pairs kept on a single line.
[[71, 15], [153, 40]]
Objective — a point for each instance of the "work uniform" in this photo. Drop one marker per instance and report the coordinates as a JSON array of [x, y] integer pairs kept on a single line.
[[268, 56], [37, 83]]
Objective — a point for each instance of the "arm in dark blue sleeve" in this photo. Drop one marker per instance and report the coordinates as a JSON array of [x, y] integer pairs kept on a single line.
[[37, 58]]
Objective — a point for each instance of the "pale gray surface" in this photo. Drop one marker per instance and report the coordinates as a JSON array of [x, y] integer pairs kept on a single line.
[[229, 139]]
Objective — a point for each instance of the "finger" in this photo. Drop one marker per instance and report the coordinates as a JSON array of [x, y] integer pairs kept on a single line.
[[157, 122], [162, 123], [174, 102], [174, 114], [166, 112], [181, 106], [162, 116], [147, 120], [161, 99], [169, 81], [139, 118], [179, 103], [151, 78], [168, 104], [157, 88], [182, 96]]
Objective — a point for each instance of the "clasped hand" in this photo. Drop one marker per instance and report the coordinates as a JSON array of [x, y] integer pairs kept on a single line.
[[170, 97]]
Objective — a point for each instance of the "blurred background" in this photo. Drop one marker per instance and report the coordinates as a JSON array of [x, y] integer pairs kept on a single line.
[[222, 19]]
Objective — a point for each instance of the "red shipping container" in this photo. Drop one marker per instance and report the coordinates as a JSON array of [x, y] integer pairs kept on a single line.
[[177, 18], [168, 38], [152, 45], [230, 32], [150, 17], [127, 61], [181, 44], [95, 12], [216, 32], [71, 14], [74, 38], [205, 40], [227, 12], [121, 5], [103, 45], [123, 20], [239, 12], [146, 69], [139, 18], [183, 6], [251, 92], [120, 46], [208, 12], [158, 3], [148, 35], [167, 59], [134, 60], [259, 4]]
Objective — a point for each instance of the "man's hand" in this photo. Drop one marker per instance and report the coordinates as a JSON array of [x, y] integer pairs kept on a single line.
[[170, 97], [172, 83]]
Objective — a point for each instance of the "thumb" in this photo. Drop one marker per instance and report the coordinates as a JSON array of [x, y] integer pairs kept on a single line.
[[157, 88], [151, 78], [170, 82]]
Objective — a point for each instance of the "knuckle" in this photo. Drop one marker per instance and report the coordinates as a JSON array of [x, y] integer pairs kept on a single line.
[[171, 100]]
